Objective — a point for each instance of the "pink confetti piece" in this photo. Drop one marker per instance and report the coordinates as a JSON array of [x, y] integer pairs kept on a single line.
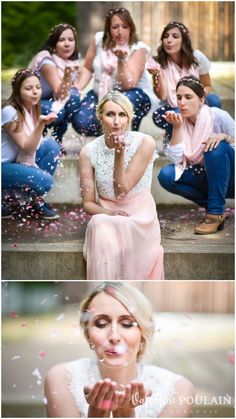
[[13, 314], [231, 357], [42, 354], [13, 245], [44, 400]]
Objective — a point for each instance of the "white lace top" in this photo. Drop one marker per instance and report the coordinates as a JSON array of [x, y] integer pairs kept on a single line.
[[102, 159], [84, 371]]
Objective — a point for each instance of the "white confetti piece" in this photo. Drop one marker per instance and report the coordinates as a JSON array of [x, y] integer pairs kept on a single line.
[[60, 317], [37, 374], [54, 333]]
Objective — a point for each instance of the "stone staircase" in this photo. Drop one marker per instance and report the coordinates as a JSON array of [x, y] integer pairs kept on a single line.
[[39, 250]]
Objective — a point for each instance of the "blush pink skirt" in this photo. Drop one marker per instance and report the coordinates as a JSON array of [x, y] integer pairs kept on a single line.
[[125, 248]]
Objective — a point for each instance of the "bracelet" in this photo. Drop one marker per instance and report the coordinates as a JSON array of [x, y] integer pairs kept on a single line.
[[122, 59], [228, 139]]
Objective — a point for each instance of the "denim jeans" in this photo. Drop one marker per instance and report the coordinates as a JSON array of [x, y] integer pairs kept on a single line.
[[29, 180], [85, 121], [64, 116], [211, 186], [212, 100]]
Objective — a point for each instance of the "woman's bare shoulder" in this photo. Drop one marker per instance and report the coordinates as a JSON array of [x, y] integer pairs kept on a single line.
[[57, 376], [148, 141], [60, 402]]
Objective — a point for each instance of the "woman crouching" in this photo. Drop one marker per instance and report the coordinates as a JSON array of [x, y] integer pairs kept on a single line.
[[202, 152]]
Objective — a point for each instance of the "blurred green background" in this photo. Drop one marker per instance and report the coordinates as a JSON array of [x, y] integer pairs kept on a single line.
[[25, 27]]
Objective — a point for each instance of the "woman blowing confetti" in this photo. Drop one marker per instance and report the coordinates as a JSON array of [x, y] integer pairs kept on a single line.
[[123, 236]]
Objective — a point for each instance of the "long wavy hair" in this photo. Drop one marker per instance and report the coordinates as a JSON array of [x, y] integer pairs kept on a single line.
[[15, 99], [125, 16], [187, 56], [54, 36]]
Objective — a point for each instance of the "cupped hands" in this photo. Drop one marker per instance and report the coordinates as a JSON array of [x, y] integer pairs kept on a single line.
[[173, 118], [105, 396]]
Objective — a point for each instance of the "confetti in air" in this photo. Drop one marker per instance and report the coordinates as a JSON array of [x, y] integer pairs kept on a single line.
[[42, 354], [37, 374], [13, 314], [231, 357], [60, 317]]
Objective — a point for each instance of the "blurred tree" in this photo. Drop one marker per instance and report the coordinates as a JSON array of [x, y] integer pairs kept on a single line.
[[25, 27]]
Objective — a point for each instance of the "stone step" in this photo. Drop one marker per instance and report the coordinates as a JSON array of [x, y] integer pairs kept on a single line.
[[66, 189], [40, 250]]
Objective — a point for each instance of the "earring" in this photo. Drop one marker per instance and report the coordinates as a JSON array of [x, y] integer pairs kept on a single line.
[[92, 346]]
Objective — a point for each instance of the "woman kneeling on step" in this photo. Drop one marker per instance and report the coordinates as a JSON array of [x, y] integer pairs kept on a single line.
[[202, 152], [28, 159], [123, 236]]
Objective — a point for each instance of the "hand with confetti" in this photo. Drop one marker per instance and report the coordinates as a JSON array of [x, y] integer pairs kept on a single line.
[[173, 118], [47, 119], [104, 397]]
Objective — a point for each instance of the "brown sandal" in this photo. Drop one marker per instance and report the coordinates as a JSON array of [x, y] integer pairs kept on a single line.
[[211, 224]]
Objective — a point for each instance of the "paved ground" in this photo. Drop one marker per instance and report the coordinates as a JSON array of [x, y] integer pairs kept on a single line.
[[177, 225]]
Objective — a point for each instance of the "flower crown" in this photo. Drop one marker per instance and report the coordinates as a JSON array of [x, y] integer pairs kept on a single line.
[[191, 80], [64, 25], [114, 11], [179, 25], [23, 71]]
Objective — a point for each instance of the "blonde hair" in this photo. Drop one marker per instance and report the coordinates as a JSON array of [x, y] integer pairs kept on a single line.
[[133, 300], [118, 98]]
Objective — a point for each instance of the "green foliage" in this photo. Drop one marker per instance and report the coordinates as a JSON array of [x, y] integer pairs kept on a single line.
[[25, 27]]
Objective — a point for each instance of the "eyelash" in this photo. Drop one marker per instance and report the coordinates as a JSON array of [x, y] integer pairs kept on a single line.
[[62, 40], [103, 325], [123, 115]]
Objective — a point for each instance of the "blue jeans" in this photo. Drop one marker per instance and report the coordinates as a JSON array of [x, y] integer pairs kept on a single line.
[[64, 116], [211, 186], [212, 100], [29, 180], [85, 121]]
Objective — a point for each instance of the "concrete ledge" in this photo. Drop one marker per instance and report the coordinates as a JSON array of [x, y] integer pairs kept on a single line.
[[66, 189], [64, 261]]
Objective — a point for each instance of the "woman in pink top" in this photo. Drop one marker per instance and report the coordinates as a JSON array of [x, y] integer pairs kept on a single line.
[[178, 59]]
